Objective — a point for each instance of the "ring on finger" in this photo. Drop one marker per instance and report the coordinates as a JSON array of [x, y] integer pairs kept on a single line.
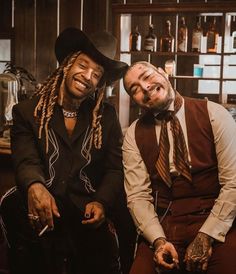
[[33, 217]]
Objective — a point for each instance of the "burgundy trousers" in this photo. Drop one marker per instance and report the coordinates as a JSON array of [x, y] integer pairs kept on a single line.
[[180, 231]]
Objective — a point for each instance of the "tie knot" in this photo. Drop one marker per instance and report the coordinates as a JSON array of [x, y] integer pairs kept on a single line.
[[166, 115]]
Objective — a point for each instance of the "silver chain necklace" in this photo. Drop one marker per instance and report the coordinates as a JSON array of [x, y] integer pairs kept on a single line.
[[69, 114]]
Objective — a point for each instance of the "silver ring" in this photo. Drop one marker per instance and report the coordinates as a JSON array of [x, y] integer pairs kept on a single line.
[[33, 217]]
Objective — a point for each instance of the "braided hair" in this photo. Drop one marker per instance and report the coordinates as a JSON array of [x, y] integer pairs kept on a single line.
[[49, 92]]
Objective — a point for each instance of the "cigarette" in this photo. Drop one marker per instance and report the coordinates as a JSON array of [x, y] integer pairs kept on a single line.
[[175, 263], [43, 230]]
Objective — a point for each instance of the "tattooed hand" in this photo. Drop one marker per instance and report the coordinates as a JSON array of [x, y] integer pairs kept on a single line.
[[199, 252]]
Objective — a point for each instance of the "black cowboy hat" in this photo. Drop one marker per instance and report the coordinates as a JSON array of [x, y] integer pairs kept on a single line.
[[101, 47]]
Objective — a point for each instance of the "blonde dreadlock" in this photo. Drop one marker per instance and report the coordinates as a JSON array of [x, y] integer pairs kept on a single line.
[[48, 92], [96, 123]]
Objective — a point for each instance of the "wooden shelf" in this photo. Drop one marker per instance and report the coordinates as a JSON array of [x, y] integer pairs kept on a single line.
[[201, 78], [194, 77], [162, 53], [142, 13], [144, 9]]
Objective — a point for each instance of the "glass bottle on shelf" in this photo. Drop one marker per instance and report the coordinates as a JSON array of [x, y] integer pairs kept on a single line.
[[150, 41], [197, 36], [170, 67], [12, 99], [234, 34], [167, 39], [212, 37], [234, 41], [135, 40], [182, 42]]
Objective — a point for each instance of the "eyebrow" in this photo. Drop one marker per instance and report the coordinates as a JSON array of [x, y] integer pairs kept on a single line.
[[139, 77], [98, 67]]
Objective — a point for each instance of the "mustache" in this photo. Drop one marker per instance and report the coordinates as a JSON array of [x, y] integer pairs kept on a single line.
[[89, 84], [146, 97]]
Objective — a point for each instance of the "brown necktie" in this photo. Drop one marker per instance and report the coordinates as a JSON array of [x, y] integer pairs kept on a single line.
[[180, 154], [162, 164]]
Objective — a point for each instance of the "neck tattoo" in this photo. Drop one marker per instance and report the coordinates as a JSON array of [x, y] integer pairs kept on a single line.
[[69, 114]]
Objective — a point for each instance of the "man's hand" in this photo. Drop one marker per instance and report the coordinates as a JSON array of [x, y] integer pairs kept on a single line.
[[199, 252], [41, 207], [94, 214], [165, 255]]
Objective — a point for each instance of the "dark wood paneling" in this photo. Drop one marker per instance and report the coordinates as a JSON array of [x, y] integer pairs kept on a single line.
[[24, 35], [70, 13], [166, 1], [193, 1], [46, 33], [5, 15], [94, 15], [137, 1], [165, 7], [7, 175], [185, 67], [117, 1], [217, 1]]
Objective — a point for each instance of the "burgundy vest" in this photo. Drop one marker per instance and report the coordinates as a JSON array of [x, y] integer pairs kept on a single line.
[[186, 197]]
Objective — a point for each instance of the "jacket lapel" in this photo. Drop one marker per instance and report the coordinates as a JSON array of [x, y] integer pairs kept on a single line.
[[83, 123], [57, 124]]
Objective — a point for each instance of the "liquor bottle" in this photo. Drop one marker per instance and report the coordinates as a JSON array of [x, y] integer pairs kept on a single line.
[[233, 25], [12, 99], [170, 67], [135, 40], [167, 39], [150, 41], [212, 37], [197, 36], [182, 42]]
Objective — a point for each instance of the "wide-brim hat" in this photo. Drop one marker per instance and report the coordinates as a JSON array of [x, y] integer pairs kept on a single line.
[[100, 46]]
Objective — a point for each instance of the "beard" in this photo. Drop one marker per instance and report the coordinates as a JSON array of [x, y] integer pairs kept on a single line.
[[164, 104]]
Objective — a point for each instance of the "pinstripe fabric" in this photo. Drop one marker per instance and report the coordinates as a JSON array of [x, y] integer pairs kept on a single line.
[[162, 164], [180, 154]]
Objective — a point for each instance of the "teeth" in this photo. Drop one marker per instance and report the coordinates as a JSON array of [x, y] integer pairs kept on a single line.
[[80, 84]]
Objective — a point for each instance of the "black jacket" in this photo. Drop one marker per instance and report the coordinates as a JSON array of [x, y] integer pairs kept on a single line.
[[67, 167]]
